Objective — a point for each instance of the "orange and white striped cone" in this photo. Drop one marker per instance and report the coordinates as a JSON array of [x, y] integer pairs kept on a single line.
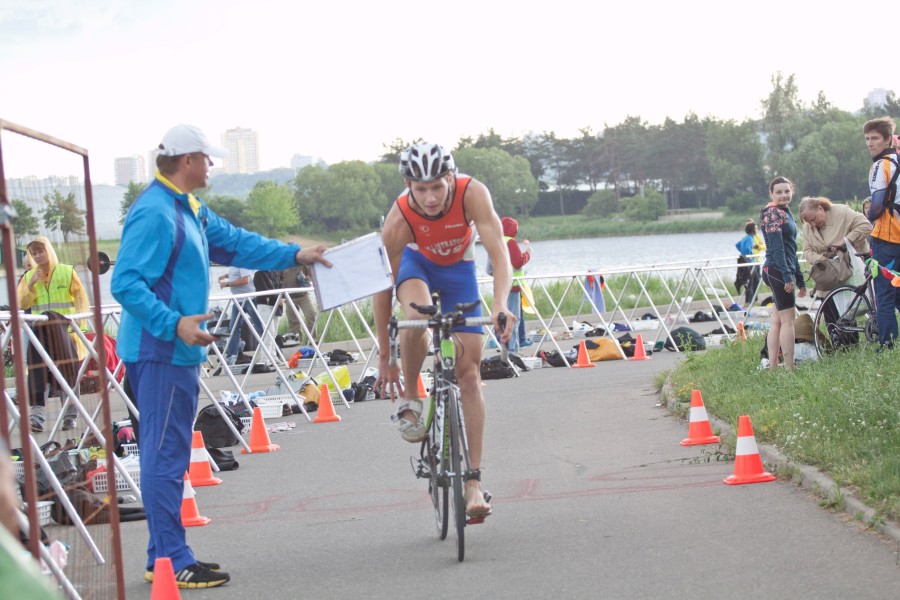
[[190, 514], [741, 332], [699, 430], [422, 393], [748, 467], [200, 472]]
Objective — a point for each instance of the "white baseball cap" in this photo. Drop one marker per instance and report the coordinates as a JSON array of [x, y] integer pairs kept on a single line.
[[186, 139]]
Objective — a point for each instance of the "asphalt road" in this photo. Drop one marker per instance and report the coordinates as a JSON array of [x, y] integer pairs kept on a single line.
[[594, 497]]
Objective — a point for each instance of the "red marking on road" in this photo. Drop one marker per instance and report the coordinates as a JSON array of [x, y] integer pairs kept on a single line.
[[402, 500]]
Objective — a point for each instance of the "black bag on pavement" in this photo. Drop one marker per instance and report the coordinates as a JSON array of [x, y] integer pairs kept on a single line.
[[216, 433], [495, 367]]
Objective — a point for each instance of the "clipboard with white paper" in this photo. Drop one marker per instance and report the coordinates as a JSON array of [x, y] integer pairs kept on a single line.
[[359, 269]]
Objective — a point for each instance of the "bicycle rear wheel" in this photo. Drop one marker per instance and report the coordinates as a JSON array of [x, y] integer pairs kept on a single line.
[[456, 477], [845, 320]]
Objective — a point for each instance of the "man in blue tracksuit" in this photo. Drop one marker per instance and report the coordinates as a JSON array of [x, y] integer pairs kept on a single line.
[[161, 279]]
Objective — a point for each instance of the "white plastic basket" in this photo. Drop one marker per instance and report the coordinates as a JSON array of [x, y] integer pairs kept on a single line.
[[272, 407], [131, 449], [247, 422], [533, 362], [101, 482], [43, 509], [19, 467]]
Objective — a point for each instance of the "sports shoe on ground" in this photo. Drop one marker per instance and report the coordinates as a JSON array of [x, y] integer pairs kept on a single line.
[[68, 424], [36, 426], [199, 575]]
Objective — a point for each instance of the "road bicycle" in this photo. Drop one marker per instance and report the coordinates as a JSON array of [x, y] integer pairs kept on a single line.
[[444, 453], [846, 317]]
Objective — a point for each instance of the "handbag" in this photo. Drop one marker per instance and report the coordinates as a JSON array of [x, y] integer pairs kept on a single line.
[[829, 273]]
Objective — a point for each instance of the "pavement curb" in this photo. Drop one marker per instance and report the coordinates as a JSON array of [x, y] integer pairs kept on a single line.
[[810, 478]]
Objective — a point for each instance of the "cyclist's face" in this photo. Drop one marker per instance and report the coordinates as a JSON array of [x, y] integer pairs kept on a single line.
[[876, 143], [781, 194], [431, 197]]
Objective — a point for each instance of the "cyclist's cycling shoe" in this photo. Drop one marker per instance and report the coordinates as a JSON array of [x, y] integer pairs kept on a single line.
[[410, 431]]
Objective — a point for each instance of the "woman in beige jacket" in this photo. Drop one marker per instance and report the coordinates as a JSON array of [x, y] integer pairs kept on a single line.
[[825, 225]]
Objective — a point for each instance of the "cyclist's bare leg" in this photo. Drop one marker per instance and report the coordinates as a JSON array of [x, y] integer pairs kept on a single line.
[[468, 375], [413, 342]]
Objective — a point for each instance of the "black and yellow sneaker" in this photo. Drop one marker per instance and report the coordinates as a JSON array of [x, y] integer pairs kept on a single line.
[[210, 566]]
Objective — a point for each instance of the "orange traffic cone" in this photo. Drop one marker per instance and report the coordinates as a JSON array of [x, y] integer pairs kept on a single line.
[[259, 436], [639, 352], [699, 431], [422, 393], [164, 585], [583, 361], [326, 413], [190, 515], [741, 332], [748, 467], [200, 471]]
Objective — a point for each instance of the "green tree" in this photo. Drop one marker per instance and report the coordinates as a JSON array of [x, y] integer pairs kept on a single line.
[[831, 161], [348, 196], [602, 203], [391, 184], [26, 224], [508, 178], [782, 121], [649, 207], [228, 207], [62, 213], [134, 190], [734, 154], [271, 210]]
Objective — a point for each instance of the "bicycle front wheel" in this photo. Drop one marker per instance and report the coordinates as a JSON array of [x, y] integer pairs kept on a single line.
[[456, 476], [845, 320], [437, 482]]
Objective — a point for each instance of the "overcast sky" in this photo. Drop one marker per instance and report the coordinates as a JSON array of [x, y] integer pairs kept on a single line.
[[339, 79]]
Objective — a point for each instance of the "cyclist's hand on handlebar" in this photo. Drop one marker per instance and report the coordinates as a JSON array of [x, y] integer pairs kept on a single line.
[[511, 323], [388, 383]]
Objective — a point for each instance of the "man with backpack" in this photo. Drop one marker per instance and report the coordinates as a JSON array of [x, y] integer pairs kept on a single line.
[[883, 214]]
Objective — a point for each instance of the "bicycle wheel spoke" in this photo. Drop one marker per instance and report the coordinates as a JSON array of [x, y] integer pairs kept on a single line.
[[845, 320]]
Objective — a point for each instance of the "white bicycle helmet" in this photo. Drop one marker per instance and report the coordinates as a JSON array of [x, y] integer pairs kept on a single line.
[[426, 162]]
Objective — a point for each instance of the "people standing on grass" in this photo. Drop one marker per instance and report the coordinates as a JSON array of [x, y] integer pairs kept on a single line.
[[883, 214], [751, 244], [518, 259], [781, 270]]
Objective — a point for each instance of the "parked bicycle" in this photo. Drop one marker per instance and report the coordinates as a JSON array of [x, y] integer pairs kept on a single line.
[[846, 317], [444, 454]]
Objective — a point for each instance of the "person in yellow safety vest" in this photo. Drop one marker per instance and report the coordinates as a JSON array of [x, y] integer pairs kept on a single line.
[[518, 259], [50, 286]]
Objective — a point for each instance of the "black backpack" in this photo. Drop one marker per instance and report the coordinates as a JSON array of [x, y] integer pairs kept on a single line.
[[216, 433], [495, 367], [686, 339]]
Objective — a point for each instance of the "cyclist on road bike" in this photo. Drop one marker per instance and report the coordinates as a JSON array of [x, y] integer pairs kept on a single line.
[[428, 236]]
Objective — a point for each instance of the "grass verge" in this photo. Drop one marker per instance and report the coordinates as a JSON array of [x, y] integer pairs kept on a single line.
[[840, 414]]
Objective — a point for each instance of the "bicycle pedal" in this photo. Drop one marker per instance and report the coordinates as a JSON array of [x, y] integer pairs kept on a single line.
[[475, 520]]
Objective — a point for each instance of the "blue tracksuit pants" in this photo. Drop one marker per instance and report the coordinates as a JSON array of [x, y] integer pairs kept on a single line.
[[167, 400]]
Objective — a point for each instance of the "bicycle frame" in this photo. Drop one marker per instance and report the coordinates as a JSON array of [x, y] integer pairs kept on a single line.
[[444, 454]]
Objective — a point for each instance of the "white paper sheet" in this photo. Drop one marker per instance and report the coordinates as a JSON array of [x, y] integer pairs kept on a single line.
[[359, 269]]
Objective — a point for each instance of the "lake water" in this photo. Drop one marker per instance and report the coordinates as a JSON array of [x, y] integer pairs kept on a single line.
[[567, 256], [606, 254]]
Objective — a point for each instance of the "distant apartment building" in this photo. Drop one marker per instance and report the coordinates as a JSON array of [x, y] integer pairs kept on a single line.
[[130, 168], [877, 98], [301, 160], [151, 163], [243, 151]]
